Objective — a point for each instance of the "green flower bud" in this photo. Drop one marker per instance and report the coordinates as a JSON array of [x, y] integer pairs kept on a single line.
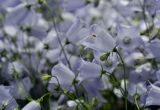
[[46, 77]]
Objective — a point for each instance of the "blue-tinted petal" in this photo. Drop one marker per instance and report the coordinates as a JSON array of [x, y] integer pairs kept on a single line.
[[63, 74], [33, 105], [89, 70]]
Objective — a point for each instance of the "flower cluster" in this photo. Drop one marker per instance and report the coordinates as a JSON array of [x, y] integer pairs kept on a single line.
[[79, 54]]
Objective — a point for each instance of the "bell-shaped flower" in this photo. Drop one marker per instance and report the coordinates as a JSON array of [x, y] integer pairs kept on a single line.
[[25, 16], [5, 96], [152, 6], [77, 31], [93, 87], [135, 58], [154, 47], [12, 105], [138, 88], [33, 105], [20, 89], [62, 76], [6, 99], [52, 40], [153, 96], [89, 70], [53, 55], [99, 39], [40, 28], [128, 38], [141, 73]]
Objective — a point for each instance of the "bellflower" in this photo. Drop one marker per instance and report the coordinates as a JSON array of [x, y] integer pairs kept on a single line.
[[69, 47], [153, 95], [24, 16], [55, 6], [15, 68], [154, 47], [64, 25], [20, 89], [62, 75], [135, 58], [89, 70], [6, 99], [121, 7], [152, 6], [5, 95], [138, 88], [53, 55], [99, 39], [33, 105], [77, 32], [128, 38], [31, 61], [142, 73], [89, 13], [40, 28], [52, 39], [93, 87]]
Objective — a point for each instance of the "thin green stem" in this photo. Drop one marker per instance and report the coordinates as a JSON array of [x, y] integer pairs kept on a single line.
[[69, 96], [57, 32], [125, 83], [41, 98], [135, 99]]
